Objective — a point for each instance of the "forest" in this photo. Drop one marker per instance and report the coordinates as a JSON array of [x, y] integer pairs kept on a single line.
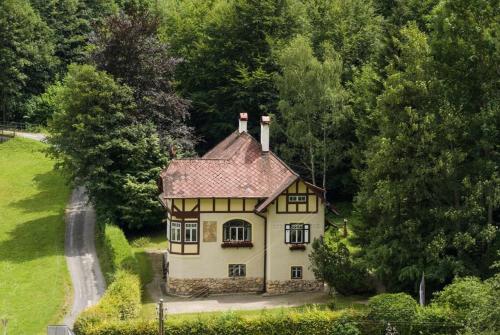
[[393, 105]]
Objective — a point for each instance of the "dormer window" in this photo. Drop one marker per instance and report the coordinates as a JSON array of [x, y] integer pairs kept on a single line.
[[237, 231], [297, 198]]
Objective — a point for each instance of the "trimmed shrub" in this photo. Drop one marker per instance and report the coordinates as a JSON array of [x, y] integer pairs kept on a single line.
[[116, 251], [398, 309], [308, 323], [122, 301], [434, 320]]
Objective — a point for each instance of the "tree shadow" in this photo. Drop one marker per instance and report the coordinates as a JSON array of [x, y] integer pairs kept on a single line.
[[34, 239], [43, 201], [42, 232]]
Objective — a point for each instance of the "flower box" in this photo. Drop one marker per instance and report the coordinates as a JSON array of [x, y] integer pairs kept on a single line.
[[297, 247], [239, 244]]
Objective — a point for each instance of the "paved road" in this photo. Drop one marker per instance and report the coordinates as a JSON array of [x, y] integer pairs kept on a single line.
[[243, 302], [83, 265], [32, 136]]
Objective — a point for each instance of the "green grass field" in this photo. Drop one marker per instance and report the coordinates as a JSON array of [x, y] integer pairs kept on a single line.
[[34, 281]]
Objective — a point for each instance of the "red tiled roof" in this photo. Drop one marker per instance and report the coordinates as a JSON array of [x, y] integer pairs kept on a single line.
[[235, 168]]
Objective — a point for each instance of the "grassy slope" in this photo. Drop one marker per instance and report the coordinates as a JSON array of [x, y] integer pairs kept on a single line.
[[34, 281]]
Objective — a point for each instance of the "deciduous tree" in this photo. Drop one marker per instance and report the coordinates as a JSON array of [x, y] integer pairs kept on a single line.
[[117, 159]]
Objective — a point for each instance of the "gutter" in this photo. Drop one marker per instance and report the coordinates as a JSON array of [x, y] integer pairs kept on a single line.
[[265, 249]]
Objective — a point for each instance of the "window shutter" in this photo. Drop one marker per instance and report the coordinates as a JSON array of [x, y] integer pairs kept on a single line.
[[168, 230], [287, 233], [306, 233]]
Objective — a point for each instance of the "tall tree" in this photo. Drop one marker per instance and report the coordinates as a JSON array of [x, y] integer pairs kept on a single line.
[[352, 27], [26, 57], [100, 147], [70, 27], [128, 48], [415, 189], [312, 111], [229, 63]]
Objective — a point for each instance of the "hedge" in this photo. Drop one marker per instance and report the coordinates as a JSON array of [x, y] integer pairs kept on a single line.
[[122, 301], [308, 323], [118, 251]]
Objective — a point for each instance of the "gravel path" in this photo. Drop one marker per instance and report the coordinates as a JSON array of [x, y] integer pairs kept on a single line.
[[83, 264], [80, 252]]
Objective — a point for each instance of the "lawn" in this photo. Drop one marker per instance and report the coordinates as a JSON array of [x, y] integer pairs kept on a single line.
[[35, 286]]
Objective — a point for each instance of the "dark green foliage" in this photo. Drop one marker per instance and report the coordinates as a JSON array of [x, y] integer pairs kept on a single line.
[[352, 28], [331, 261], [70, 26], [427, 187], [26, 57], [100, 147], [227, 47], [310, 323], [127, 47]]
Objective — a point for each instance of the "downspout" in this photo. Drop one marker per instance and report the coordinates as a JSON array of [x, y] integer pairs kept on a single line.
[[265, 249]]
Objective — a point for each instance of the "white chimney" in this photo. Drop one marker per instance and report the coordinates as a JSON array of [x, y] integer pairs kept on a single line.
[[243, 122], [264, 132]]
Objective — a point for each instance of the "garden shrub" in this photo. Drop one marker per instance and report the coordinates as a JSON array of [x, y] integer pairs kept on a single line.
[[398, 309], [332, 262], [475, 303], [308, 323], [434, 320], [115, 251], [122, 301]]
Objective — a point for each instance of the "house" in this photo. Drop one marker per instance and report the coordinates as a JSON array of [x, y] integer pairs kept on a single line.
[[240, 220]]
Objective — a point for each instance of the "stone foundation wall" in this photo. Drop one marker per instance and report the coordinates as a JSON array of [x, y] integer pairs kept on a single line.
[[214, 285], [296, 285]]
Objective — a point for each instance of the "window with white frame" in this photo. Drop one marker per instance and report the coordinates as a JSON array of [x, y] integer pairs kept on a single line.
[[297, 233], [237, 270], [296, 198], [237, 231], [296, 272], [191, 232], [175, 231]]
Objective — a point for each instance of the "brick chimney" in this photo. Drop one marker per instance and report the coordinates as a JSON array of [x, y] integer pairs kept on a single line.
[[264, 132], [243, 122]]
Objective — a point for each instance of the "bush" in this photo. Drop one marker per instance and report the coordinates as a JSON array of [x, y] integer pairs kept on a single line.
[[331, 261], [399, 309], [310, 323], [122, 301], [117, 252], [474, 303], [434, 320]]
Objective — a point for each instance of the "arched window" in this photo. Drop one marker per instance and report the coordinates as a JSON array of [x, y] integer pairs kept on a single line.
[[237, 231]]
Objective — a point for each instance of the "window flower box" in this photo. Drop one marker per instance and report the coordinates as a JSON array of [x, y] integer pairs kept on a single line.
[[297, 247], [237, 244]]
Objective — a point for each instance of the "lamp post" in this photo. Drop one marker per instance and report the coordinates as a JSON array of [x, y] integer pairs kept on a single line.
[[161, 311]]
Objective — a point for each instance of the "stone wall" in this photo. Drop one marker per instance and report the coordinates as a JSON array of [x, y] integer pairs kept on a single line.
[[192, 286], [295, 285]]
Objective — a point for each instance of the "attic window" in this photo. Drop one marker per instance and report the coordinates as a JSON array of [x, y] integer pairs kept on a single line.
[[297, 198]]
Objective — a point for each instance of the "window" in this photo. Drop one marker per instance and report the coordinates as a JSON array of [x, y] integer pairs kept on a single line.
[[237, 270], [297, 233], [297, 198], [237, 231], [175, 231], [191, 232], [296, 272]]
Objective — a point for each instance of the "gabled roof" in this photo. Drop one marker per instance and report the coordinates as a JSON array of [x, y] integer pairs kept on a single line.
[[235, 168]]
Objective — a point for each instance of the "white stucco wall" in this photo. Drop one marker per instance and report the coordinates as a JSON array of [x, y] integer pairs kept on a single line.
[[280, 257], [213, 260]]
